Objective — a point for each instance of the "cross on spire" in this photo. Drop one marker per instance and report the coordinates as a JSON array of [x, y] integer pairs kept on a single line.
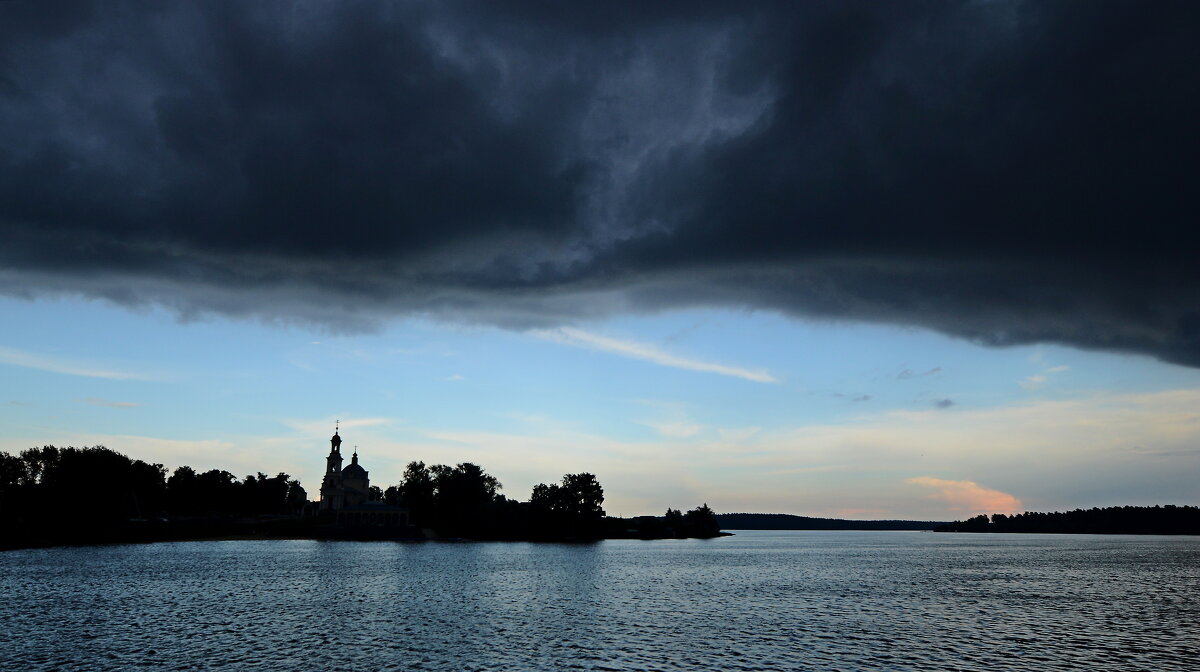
[[335, 441]]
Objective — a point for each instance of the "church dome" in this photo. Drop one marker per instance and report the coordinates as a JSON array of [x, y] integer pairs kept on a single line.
[[354, 471]]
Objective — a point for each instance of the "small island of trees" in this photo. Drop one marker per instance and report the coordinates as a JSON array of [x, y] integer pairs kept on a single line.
[[1169, 519], [52, 495]]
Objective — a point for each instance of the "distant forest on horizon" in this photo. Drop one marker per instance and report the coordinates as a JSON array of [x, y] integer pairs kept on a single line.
[[1158, 519], [787, 521]]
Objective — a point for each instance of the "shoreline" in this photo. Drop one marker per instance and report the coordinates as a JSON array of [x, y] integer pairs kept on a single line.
[[159, 535]]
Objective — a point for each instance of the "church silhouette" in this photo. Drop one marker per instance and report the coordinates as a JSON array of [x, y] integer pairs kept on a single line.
[[343, 488]]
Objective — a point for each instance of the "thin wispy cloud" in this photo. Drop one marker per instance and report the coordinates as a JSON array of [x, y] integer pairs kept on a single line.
[[674, 429], [679, 427], [736, 434], [1038, 380], [325, 426], [1032, 382], [30, 360], [673, 421], [100, 401], [649, 353], [909, 374], [1150, 452]]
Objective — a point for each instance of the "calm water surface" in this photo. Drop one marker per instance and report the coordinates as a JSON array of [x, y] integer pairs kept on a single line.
[[756, 601]]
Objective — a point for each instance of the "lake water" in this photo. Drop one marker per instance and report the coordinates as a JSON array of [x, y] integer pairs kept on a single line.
[[755, 601]]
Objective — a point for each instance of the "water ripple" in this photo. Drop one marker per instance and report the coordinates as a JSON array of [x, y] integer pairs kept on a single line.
[[757, 601]]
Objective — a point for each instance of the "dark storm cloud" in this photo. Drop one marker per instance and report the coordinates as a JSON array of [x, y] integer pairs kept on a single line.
[[1007, 172]]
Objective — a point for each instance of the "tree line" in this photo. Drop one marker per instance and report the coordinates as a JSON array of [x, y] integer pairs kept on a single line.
[[76, 494], [698, 522], [65, 490], [465, 501], [1168, 519]]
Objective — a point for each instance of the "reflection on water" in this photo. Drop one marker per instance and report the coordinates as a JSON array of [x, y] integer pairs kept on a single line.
[[756, 601]]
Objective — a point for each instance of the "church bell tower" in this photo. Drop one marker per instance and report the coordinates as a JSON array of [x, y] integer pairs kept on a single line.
[[331, 486], [333, 463]]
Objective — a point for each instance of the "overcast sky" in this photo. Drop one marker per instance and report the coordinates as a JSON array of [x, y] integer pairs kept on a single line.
[[916, 259]]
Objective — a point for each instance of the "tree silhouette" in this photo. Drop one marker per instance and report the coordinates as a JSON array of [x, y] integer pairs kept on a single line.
[[416, 491], [582, 496], [461, 495], [571, 507], [297, 497], [674, 519], [701, 522]]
